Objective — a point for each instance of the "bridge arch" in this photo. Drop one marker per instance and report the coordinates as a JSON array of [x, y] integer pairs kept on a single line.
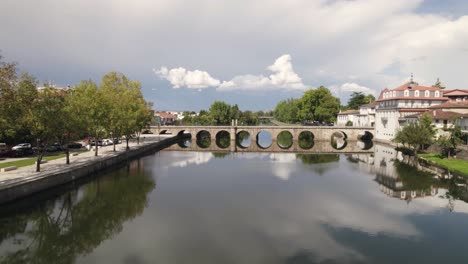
[[285, 139], [203, 139], [243, 139], [183, 132], [338, 140], [306, 139], [264, 139], [366, 135], [223, 139]]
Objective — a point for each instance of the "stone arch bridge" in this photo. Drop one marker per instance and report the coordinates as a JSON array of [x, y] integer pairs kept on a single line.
[[319, 133]]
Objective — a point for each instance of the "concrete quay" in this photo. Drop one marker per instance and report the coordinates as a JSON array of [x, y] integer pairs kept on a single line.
[[26, 181]]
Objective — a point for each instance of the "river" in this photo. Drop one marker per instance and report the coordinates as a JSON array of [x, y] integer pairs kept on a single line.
[[203, 207]]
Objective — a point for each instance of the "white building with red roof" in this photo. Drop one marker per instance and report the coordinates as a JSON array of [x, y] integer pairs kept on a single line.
[[395, 104]]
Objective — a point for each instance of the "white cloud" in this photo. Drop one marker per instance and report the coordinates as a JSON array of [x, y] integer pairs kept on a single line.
[[283, 77], [180, 77], [354, 87]]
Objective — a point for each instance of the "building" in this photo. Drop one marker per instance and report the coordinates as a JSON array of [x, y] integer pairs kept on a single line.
[[346, 116], [165, 118], [456, 95], [364, 117], [393, 105]]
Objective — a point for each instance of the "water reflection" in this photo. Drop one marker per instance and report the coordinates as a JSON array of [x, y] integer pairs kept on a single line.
[[306, 140], [75, 223], [223, 139], [203, 139], [264, 139], [338, 141], [248, 208], [285, 139], [243, 139]]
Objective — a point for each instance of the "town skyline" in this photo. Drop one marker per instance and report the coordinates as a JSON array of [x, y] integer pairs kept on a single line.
[[250, 54]]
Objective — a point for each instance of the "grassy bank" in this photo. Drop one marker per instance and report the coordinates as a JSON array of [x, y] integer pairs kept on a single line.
[[455, 165], [30, 161]]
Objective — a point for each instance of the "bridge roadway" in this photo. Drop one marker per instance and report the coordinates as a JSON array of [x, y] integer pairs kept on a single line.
[[322, 137]]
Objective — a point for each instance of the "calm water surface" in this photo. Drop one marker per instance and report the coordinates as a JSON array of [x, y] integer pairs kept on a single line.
[[200, 207]]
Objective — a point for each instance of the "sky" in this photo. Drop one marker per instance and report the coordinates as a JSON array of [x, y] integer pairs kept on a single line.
[[188, 54]]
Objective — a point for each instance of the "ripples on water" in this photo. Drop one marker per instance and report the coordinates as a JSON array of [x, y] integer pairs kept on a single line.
[[203, 207]]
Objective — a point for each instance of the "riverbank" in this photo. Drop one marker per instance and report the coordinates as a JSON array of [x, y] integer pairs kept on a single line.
[[25, 181], [456, 166]]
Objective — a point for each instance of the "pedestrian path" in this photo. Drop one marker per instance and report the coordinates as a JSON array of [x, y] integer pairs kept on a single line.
[[57, 165]]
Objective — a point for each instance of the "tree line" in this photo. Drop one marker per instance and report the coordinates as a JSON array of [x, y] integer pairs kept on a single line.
[[317, 105], [114, 108], [222, 113]]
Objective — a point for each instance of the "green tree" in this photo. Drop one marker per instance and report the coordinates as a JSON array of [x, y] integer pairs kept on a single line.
[[319, 105], [221, 113], [42, 120], [93, 107], [287, 111], [448, 144], [358, 98], [414, 136]]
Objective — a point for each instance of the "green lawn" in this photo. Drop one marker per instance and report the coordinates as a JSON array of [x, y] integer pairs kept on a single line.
[[455, 165], [30, 161]]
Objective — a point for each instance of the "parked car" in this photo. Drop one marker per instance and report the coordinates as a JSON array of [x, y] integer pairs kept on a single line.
[[92, 142], [107, 142], [21, 152], [22, 146]]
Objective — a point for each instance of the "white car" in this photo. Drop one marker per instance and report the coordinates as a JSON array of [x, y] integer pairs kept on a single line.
[[22, 146]]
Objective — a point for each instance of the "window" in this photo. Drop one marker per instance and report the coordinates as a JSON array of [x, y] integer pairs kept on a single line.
[[406, 93], [416, 93], [436, 94], [394, 93], [426, 93]]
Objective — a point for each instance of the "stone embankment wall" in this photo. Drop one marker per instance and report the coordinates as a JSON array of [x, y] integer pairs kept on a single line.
[[45, 180]]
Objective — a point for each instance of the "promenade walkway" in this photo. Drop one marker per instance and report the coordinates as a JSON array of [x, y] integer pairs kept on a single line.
[[28, 173]]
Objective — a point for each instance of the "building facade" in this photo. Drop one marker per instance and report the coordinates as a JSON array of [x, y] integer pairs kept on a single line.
[[393, 105]]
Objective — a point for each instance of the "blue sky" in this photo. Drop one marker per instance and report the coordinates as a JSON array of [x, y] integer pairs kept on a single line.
[[253, 53]]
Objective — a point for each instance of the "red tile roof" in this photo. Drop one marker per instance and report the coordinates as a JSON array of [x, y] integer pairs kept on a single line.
[[456, 92], [164, 115], [439, 114], [416, 86]]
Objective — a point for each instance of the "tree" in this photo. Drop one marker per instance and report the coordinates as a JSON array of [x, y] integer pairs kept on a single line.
[[221, 113], [319, 105], [426, 122], [414, 136], [42, 120], [449, 143], [93, 108], [287, 111], [358, 98]]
